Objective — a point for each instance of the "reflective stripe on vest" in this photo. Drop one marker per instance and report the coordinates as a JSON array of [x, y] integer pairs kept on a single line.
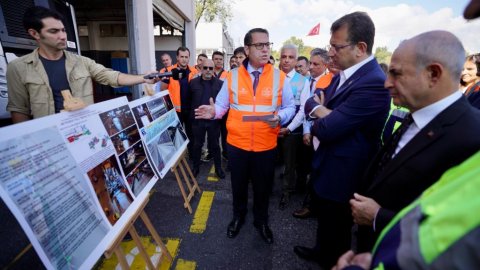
[[253, 136], [257, 108], [442, 224]]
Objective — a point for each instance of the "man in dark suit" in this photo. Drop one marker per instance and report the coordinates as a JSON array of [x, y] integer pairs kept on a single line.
[[423, 77], [348, 123], [202, 89]]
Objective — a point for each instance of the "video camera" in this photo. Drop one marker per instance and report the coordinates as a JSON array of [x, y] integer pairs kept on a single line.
[[175, 74]]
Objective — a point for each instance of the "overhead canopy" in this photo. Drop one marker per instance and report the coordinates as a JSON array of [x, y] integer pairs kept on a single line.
[[165, 11]]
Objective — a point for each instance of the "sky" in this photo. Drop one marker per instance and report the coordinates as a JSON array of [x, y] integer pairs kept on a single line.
[[394, 20]]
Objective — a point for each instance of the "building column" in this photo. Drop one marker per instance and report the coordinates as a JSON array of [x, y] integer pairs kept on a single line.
[[140, 39]]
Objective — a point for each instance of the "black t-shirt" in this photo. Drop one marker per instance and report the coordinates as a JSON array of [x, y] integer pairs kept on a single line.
[[57, 77], [184, 90]]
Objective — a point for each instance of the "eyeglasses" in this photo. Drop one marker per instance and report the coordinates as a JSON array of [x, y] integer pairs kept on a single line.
[[260, 46], [207, 68], [337, 48]]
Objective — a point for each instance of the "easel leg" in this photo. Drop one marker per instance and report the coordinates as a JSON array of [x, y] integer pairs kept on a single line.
[[185, 163], [187, 181], [194, 180], [121, 258], [155, 235], [143, 252], [182, 190]]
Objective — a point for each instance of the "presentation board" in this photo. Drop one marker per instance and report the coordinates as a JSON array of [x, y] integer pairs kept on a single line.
[[73, 179]]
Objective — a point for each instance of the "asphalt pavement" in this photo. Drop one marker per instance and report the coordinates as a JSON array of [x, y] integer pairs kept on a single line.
[[207, 248]]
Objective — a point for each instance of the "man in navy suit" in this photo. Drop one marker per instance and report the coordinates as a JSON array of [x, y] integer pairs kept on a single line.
[[348, 119]]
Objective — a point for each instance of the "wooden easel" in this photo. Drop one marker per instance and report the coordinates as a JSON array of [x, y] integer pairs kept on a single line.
[[114, 247], [189, 180]]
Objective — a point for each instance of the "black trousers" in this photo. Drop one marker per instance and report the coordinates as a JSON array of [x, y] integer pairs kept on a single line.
[[259, 167], [334, 230], [212, 129], [291, 144]]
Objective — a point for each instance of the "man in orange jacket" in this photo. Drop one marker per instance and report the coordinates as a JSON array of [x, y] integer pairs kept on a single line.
[[259, 100]]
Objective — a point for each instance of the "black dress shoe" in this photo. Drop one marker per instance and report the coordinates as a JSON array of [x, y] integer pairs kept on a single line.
[[234, 227], [302, 213], [195, 171], [284, 200], [265, 233], [306, 253], [220, 173]]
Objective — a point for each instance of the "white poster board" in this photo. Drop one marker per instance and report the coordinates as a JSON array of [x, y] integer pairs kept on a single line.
[[74, 179], [160, 129]]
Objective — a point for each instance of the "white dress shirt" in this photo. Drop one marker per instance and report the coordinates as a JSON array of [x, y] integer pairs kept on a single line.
[[424, 116], [347, 73], [287, 108]]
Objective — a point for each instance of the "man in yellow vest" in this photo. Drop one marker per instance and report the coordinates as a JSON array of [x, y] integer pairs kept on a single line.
[[259, 100]]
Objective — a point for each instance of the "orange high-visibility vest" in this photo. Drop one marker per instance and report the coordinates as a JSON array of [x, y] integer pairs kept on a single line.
[[253, 136], [324, 81], [223, 75], [174, 87]]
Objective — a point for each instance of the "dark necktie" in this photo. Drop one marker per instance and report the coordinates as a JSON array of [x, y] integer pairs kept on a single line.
[[389, 149], [256, 74], [312, 83]]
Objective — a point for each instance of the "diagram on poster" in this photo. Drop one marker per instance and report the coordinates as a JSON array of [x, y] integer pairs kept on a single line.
[[160, 129]]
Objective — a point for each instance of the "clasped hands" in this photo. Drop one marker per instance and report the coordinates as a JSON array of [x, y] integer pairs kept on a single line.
[[362, 260], [320, 111], [364, 209]]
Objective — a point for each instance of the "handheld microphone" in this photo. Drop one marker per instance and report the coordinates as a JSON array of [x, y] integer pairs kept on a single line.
[[176, 74]]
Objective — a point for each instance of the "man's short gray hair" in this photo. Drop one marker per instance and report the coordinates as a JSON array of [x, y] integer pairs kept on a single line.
[[442, 47], [290, 47], [322, 53]]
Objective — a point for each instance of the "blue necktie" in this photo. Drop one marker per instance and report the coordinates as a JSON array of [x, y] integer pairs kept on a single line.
[[256, 74]]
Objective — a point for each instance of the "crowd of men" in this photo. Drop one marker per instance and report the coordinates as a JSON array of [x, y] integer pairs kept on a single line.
[[324, 116]]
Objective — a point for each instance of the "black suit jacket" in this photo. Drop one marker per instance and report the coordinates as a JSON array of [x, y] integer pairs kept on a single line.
[[197, 90], [450, 138]]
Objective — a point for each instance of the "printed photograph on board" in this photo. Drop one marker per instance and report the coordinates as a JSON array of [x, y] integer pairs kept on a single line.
[[168, 102], [157, 108], [117, 119], [110, 189], [139, 177], [125, 139], [132, 157], [142, 115]]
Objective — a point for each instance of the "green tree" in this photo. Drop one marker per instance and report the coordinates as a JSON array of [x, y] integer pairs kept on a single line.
[[295, 41], [302, 49], [383, 55], [211, 10]]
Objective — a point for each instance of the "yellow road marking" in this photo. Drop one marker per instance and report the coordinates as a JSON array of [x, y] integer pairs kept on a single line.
[[172, 246], [212, 177], [136, 261], [185, 265], [200, 218]]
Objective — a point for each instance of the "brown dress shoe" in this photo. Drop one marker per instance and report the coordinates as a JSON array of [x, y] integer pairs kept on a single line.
[[302, 213]]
